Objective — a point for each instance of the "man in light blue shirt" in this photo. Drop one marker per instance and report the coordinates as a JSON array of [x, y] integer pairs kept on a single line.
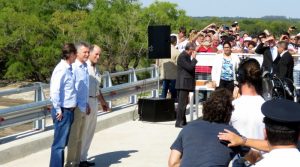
[[81, 76], [95, 96], [64, 101]]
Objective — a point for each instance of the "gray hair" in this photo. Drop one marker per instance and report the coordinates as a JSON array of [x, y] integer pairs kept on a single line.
[[78, 45], [189, 46], [283, 44]]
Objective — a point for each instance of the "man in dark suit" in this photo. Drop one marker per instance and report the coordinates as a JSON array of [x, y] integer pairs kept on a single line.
[[268, 49], [185, 81], [285, 63]]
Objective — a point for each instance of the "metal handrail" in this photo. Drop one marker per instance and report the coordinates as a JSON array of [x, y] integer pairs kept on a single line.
[[18, 90], [38, 110]]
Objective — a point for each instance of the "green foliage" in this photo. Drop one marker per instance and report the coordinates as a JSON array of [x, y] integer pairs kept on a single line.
[[33, 31]]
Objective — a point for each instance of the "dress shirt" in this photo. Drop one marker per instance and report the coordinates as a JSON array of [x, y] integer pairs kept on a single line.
[[62, 87], [283, 53], [94, 80], [81, 74], [274, 52], [280, 157]]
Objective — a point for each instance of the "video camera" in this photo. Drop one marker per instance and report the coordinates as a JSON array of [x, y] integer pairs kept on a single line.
[[277, 88]]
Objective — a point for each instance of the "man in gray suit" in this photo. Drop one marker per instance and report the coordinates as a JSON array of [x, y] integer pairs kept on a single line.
[[168, 71], [185, 81]]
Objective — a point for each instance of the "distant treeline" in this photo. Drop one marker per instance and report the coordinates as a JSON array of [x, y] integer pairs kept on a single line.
[[33, 31], [241, 18]]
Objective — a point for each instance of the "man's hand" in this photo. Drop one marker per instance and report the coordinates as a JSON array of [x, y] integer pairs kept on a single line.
[[253, 156], [59, 116], [283, 37], [271, 38], [105, 106], [236, 92], [194, 54], [88, 109], [232, 138]]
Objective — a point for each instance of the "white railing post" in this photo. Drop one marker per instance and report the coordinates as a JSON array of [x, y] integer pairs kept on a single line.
[[107, 83], [39, 96], [154, 74], [132, 78]]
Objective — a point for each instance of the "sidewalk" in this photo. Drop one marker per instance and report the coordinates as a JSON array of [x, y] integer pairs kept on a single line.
[[131, 144]]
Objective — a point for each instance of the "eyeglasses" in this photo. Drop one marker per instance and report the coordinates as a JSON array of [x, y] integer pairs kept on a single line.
[[226, 47]]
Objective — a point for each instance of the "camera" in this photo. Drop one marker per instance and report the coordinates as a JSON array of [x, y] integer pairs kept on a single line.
[[276, 88]]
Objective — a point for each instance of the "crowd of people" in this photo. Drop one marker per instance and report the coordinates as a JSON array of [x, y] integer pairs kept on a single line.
[[258, 131], [224, 40], [277, 52], [211, 38]]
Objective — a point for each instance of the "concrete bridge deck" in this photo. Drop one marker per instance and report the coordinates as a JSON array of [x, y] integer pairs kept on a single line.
[[130, 144]]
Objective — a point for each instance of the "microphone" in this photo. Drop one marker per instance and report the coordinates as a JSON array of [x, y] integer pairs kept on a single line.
[[287, 89]]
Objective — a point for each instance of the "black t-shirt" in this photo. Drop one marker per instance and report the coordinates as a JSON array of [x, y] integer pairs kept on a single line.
[[199, 144]]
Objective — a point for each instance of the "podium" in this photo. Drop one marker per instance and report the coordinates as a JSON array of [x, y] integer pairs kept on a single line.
[[156, 109]]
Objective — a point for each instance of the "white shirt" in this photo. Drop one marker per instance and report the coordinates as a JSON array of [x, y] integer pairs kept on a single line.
[[274, 52], [218, 64], [94, 80], [289, 157], [247, 117], [181, 46]]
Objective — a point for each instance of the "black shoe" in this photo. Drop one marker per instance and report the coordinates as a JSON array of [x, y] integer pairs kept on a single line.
[[180, 125], [86, 164]]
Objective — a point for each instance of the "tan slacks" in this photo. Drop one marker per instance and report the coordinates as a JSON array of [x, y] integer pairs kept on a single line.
[[75, 139], [89, 130]]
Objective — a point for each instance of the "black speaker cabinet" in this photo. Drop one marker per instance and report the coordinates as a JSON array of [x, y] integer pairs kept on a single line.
[[159, 45], [156, 109]]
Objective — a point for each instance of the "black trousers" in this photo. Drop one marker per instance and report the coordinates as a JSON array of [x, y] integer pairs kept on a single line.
[[227, 84], [182, 103]]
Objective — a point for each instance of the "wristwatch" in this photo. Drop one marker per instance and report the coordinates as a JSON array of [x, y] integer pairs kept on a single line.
[[244, 140]]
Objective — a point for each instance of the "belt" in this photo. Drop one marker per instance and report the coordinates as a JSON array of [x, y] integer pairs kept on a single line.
[[92, 96], [71, 108]]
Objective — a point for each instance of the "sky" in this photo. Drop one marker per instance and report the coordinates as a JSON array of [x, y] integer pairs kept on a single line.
[[234, 8]]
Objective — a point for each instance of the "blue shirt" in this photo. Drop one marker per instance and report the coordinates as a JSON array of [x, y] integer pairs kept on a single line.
[[227, 70], [62, 87], [200, 146], [81, 76]]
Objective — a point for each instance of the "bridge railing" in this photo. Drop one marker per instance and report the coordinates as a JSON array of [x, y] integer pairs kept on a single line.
[[38, 110]]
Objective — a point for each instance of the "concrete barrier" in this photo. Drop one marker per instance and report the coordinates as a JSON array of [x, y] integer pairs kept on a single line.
[[36, 142]]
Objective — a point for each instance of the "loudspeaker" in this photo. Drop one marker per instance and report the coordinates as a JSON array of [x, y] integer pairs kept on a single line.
[[156, 109], [159, 45]]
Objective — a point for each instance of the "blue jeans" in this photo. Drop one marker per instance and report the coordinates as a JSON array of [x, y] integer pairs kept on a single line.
[[61, 136], [169, 84]]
